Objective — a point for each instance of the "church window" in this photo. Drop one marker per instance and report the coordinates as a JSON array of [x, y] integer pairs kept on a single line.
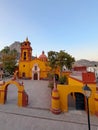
[[24, 55], [35, 67]]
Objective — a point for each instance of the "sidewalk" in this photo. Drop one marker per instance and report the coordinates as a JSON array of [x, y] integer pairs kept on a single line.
[[75, 118]]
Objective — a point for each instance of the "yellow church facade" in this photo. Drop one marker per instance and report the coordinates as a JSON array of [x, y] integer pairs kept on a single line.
[[32, 67]]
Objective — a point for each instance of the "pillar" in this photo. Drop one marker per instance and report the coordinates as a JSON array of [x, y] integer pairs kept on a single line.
[[2, 96], [55, 102], [20, 96]]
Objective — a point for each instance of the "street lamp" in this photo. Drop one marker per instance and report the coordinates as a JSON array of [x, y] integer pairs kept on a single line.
[[87, 93]]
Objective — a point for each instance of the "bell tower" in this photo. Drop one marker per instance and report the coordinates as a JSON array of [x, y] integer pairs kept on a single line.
[[26, 51]]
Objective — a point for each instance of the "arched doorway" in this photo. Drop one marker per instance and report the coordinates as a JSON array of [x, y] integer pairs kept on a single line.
[[76, 101], [35, 76]]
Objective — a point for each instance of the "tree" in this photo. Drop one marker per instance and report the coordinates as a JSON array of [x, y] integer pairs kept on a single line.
[[6, 50], [9, 59], [64, 59], [60, 59], [52, 59]]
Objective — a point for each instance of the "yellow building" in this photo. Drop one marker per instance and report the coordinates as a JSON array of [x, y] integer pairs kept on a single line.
[[71, 96], [32, 67]]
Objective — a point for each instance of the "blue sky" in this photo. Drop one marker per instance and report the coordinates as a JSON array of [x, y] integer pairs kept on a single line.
[[70, 25]]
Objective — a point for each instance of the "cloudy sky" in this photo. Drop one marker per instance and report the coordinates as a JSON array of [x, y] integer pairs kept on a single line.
[[70, 25]]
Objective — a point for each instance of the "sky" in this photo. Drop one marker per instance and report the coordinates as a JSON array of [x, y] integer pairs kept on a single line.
[[70, 25]]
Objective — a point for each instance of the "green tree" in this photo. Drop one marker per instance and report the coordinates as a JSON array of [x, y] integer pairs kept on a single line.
[[64, 59], [60, 59], [6, 50], [9, 59], [52, 59]]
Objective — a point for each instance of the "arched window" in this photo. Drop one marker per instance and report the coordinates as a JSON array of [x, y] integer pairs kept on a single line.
[[35, 67], [24, 55]]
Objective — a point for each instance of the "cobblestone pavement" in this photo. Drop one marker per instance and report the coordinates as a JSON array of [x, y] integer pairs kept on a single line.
[[37, 115]]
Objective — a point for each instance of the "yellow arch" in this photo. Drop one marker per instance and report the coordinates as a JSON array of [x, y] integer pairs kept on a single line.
[[22, 96], [19, 86]]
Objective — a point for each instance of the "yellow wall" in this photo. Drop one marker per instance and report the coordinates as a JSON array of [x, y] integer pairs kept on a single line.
[[42, 65], [26, 66], [96, 103], [74, 81]]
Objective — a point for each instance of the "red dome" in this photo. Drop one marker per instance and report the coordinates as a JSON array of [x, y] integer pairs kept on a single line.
[[43, 57]]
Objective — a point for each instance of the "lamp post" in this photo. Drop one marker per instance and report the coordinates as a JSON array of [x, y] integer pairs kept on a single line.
[[87, 93]]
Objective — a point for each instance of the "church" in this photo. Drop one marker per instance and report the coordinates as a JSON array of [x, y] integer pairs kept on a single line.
[[32, 67]]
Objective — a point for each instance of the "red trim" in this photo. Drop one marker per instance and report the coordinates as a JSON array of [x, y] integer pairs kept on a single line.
[[55, 111], [56, 98], [2, 84], [96, 99], [89, 82], [2, 90], [96, 113], [20, 91], [54, 90], [25, 60], [83, 81]]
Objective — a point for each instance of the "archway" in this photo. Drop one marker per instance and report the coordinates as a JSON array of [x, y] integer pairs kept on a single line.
[[76, 101], [22, 98]]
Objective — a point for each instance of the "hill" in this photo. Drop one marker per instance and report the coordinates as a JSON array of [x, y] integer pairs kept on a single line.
[[84, 62], [16, 45]]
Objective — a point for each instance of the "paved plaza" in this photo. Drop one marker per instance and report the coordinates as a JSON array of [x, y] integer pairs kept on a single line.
[[37, 115]]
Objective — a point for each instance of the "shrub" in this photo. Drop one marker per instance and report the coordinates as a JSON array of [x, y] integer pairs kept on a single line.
[[62, 79]]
